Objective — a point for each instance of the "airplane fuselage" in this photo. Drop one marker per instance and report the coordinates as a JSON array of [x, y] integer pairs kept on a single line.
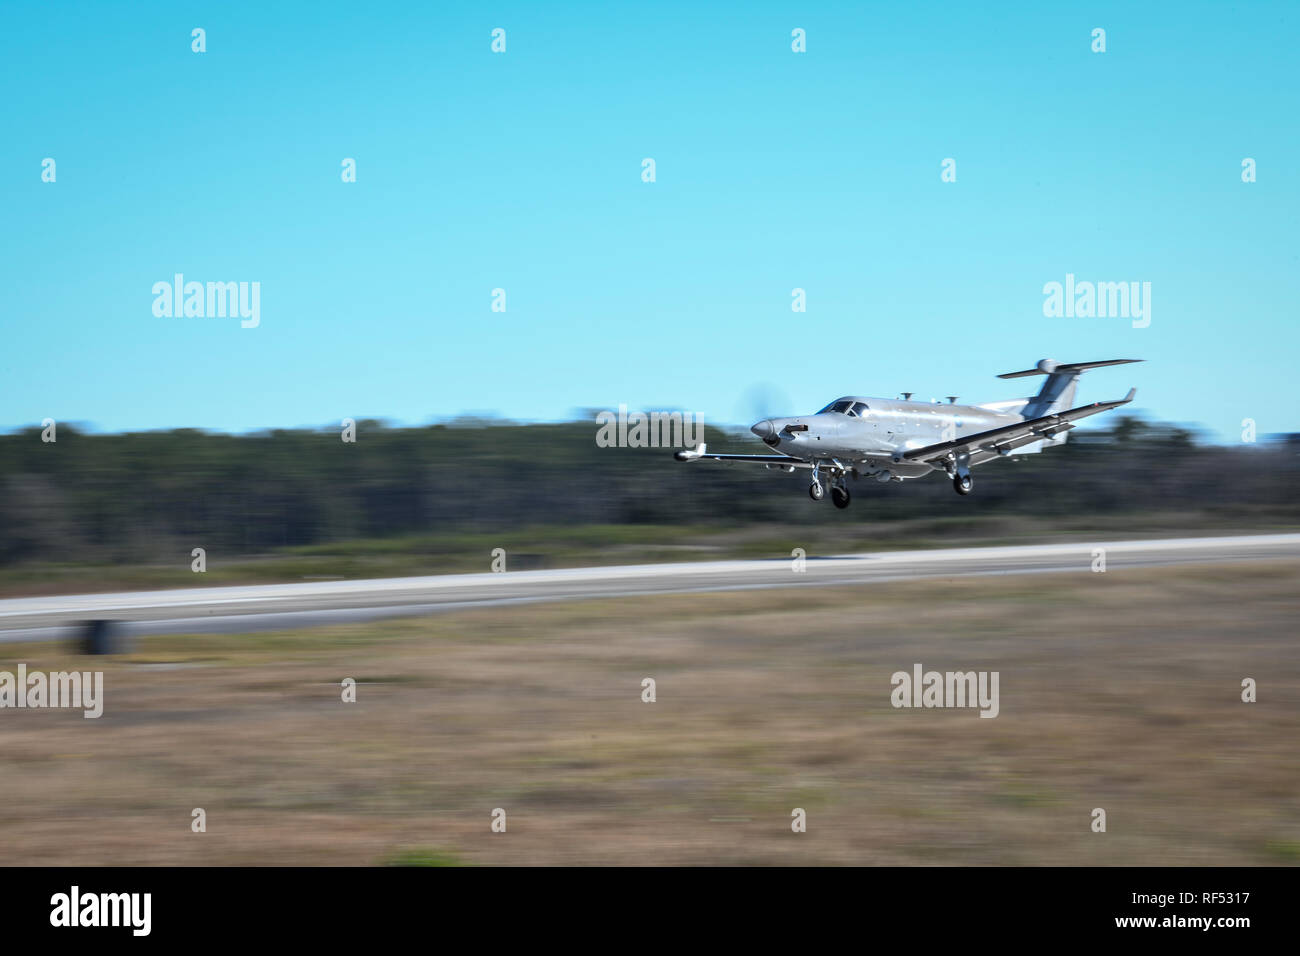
[[869, 439]]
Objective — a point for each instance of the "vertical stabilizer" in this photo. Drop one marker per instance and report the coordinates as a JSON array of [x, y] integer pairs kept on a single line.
[[1057, 393]]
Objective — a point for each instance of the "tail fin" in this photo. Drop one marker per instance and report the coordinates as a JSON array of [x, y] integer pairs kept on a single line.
[[1057, 392]]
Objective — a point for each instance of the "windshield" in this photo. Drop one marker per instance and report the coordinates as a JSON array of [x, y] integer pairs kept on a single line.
[[846, 406]]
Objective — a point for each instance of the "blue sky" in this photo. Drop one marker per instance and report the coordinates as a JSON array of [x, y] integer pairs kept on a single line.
[[522, 171]]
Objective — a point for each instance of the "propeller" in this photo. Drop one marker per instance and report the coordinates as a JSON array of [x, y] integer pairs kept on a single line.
[[764, 400]]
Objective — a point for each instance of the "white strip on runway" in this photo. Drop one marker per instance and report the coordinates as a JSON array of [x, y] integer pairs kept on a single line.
[[319, 602]]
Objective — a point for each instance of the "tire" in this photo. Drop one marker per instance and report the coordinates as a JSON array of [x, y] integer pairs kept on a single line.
[[815, 491], [840, 497], [963, 484]]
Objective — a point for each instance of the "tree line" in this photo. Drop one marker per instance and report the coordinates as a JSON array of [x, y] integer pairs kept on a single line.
[[135, 496]]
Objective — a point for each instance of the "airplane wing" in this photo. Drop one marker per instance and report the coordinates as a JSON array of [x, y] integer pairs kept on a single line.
[[783, 461], [1020, 433]]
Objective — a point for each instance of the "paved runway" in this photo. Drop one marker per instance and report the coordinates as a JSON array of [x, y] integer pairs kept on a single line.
[[281, 606]]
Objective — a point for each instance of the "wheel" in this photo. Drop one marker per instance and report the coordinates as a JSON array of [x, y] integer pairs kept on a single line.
[[816, 491], [963, 484], [840, 497]]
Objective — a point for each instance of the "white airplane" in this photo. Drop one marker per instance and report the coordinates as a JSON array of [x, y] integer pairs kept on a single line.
[[892, 440]]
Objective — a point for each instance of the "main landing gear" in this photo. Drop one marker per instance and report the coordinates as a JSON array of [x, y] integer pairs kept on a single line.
[[958, 467], [839, 490]]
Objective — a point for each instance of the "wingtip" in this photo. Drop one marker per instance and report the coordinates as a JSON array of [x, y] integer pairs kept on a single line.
[[1131, 392], [688, 454]]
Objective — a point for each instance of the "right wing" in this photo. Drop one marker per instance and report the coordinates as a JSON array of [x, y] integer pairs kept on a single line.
[[701, 452], [1019, 433]]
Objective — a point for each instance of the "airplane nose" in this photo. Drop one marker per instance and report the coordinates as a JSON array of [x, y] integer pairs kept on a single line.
[[764, 430]]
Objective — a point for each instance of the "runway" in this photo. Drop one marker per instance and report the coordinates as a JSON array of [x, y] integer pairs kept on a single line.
[[284, 606]]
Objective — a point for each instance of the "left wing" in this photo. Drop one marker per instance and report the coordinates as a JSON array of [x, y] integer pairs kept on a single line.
[[784, 461], [1020, 433]]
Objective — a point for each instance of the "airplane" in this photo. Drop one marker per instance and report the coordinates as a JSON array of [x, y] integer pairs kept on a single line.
[[893, 440]]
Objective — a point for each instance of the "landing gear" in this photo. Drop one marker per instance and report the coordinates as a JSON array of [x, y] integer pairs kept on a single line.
[[839, 489], [958, 467], [815, 491]]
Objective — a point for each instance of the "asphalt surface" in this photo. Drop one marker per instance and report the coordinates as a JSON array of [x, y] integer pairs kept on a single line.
[[284, 606]]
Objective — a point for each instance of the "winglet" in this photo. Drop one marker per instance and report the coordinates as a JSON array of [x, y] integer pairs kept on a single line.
[[1129, 397], [687, 454]]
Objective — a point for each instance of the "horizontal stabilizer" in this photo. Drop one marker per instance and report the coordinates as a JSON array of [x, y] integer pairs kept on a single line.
[[1048, 367]]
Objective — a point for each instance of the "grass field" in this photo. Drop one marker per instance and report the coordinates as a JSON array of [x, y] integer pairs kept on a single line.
[[1119, 690]]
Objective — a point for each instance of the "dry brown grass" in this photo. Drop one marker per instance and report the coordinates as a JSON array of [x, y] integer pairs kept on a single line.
[[1119, 691]]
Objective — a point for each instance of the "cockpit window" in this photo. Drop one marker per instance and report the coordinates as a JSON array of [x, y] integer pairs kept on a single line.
[[845, 407]]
